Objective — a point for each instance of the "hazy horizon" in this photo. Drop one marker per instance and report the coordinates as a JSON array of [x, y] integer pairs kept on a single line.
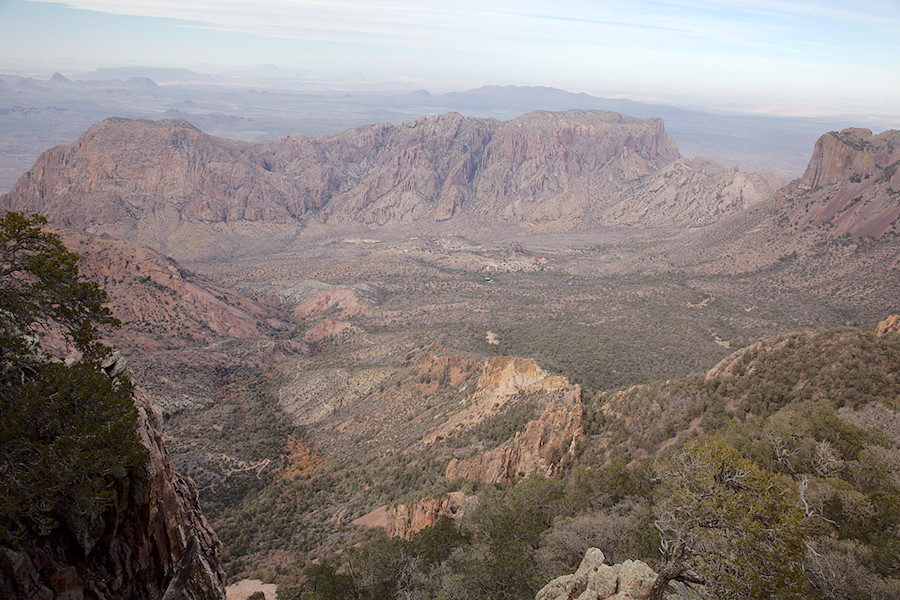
[[753, 56]]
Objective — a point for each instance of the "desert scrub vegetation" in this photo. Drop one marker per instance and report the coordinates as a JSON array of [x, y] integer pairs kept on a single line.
[[786, 428], [497, 428]]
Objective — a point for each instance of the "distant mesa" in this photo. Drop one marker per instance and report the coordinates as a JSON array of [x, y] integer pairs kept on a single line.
[[141, 82], [160, 74]]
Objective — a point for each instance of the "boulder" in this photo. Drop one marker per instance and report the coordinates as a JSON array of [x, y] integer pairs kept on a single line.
[[595, 580]]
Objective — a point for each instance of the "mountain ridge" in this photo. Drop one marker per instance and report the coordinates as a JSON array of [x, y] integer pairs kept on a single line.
[[168, 185]]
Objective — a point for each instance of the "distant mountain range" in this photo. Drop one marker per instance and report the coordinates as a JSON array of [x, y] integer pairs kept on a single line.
[[37, 114]]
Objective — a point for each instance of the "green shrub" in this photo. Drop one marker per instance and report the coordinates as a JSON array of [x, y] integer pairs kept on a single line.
[[66, 431]]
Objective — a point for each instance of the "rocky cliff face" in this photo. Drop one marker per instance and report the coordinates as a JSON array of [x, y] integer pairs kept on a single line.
[[543, 447], [545, 443], [851, 186], [168, 185], [503, 380], [403, 520], [889, 326], [690, 192], [146, 181], [133, 550]]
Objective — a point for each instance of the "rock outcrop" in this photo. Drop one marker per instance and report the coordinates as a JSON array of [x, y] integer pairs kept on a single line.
[[403, 520], [543, 447], [190, 195], [503, 379], [851, 185], [695, 192], [133, 550], [545, 443], [891, 325], [594, 580]]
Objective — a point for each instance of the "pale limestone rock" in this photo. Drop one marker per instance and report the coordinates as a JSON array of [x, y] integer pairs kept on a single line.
[[594, 580]]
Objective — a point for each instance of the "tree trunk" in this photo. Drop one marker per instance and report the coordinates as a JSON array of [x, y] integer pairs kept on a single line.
[[671, 569]]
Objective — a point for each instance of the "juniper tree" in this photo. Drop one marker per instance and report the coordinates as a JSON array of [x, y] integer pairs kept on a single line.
[[66, 430], [728, 524]]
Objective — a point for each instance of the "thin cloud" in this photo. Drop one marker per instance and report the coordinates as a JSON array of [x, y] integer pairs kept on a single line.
[[510, 27], [759, 46]]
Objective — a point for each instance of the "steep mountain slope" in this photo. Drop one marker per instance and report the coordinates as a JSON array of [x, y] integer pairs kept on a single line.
[[162, 305], [853, 371], [832, 233], [151, 181], [167, 185], [184, 335], [154, 531]]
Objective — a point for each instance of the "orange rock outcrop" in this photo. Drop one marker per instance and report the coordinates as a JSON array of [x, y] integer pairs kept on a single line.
[[888, 326], [404, 520], [541, 448], [544, 444]]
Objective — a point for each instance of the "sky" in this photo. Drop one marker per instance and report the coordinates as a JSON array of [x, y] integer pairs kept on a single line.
[[804, 57]]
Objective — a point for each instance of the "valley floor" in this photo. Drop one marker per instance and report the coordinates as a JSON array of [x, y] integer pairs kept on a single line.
[[607, 309]]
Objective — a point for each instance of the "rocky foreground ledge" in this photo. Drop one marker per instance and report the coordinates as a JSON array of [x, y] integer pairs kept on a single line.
[[153, 535], [594, 580]]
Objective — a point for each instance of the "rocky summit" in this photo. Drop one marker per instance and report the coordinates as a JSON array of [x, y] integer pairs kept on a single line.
[[851, 186]]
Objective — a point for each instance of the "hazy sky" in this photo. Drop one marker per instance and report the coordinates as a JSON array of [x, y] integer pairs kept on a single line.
[[825, 55]]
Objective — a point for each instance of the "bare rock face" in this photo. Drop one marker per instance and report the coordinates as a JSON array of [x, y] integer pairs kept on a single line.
[[594, 580], [851, 186], [404, 520], [545, 443], [154, 182], [690, 193], [542, 447], [503, 379], [190, 195], [508, 375], [133, 550]]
